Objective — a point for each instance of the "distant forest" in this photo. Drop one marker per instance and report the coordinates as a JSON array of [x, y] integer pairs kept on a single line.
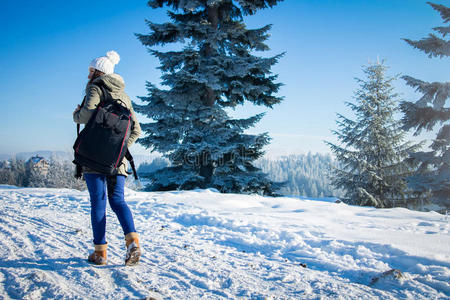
[[40, 172], [304, 174]]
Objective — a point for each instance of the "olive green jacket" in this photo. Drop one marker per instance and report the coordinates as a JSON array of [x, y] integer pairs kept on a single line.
[[114, 85]]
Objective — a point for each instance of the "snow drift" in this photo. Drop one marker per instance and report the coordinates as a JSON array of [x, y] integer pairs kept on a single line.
[[203, 244]]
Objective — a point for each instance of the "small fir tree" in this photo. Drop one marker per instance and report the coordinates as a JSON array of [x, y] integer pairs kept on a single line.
[[13, 172], [215, 70], [430, 112], [61, 175], [371, 155]]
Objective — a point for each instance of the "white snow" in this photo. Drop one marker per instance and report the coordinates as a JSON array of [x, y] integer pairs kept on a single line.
[[205, 245]]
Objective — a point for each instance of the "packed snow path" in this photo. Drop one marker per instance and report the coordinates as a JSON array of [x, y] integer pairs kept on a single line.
[[206, 245]]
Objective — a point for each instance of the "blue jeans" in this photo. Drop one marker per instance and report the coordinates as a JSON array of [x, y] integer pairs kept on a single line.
[[98, 185]]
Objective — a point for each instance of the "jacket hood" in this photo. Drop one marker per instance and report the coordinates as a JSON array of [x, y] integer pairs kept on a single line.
[[114, 83]]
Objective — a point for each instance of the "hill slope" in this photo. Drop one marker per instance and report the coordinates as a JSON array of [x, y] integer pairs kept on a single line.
[[205, 244]]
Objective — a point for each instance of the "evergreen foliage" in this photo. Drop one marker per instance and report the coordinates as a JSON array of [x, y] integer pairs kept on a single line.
[[305, 175], [60, 175], [372, 153], [13, 172], [34, 179], [214, 70], [150, 167], [429, 112]]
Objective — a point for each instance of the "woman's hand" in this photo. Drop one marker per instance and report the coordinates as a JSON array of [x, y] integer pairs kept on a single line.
[[77, 109]]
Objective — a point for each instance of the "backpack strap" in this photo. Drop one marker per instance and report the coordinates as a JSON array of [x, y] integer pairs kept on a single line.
[[129, 157], [81, 106], [78, 167]]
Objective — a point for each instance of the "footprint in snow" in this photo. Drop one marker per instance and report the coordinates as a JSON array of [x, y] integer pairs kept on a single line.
[[425, 224]]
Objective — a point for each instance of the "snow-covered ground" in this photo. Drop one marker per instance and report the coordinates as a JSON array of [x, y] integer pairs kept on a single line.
[[205, 245]]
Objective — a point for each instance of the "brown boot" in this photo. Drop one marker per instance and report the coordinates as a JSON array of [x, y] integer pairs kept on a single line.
[[133, 249], [98, 257]]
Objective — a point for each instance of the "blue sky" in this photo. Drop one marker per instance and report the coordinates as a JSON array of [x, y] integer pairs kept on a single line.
[[46, 47]]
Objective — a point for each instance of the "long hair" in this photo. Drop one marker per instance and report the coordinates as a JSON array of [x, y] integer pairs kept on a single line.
[[96, 74]]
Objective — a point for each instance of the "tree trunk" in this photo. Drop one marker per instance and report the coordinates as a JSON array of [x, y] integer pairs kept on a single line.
[[213, 19], [206, 167]]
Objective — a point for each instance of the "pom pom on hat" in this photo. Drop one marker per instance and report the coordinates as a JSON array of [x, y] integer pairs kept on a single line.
[[113, 56], [106, 63]]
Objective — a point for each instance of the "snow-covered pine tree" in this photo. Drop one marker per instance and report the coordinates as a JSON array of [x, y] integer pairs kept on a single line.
[[301, 172], [214, 70], [430, 112], [13, 172], [371, 153], [61, 175]]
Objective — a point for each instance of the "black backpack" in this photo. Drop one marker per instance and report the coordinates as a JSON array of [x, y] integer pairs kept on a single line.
[[102, 144]]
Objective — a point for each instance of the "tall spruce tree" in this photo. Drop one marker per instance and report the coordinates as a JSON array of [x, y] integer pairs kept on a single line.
[[214, 70], [430, 112], [371, 154]]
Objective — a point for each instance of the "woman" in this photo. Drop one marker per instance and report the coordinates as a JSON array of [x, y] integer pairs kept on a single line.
[[100, 186]]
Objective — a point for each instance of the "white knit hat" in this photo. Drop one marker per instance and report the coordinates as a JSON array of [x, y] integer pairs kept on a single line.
[[106, 63]]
